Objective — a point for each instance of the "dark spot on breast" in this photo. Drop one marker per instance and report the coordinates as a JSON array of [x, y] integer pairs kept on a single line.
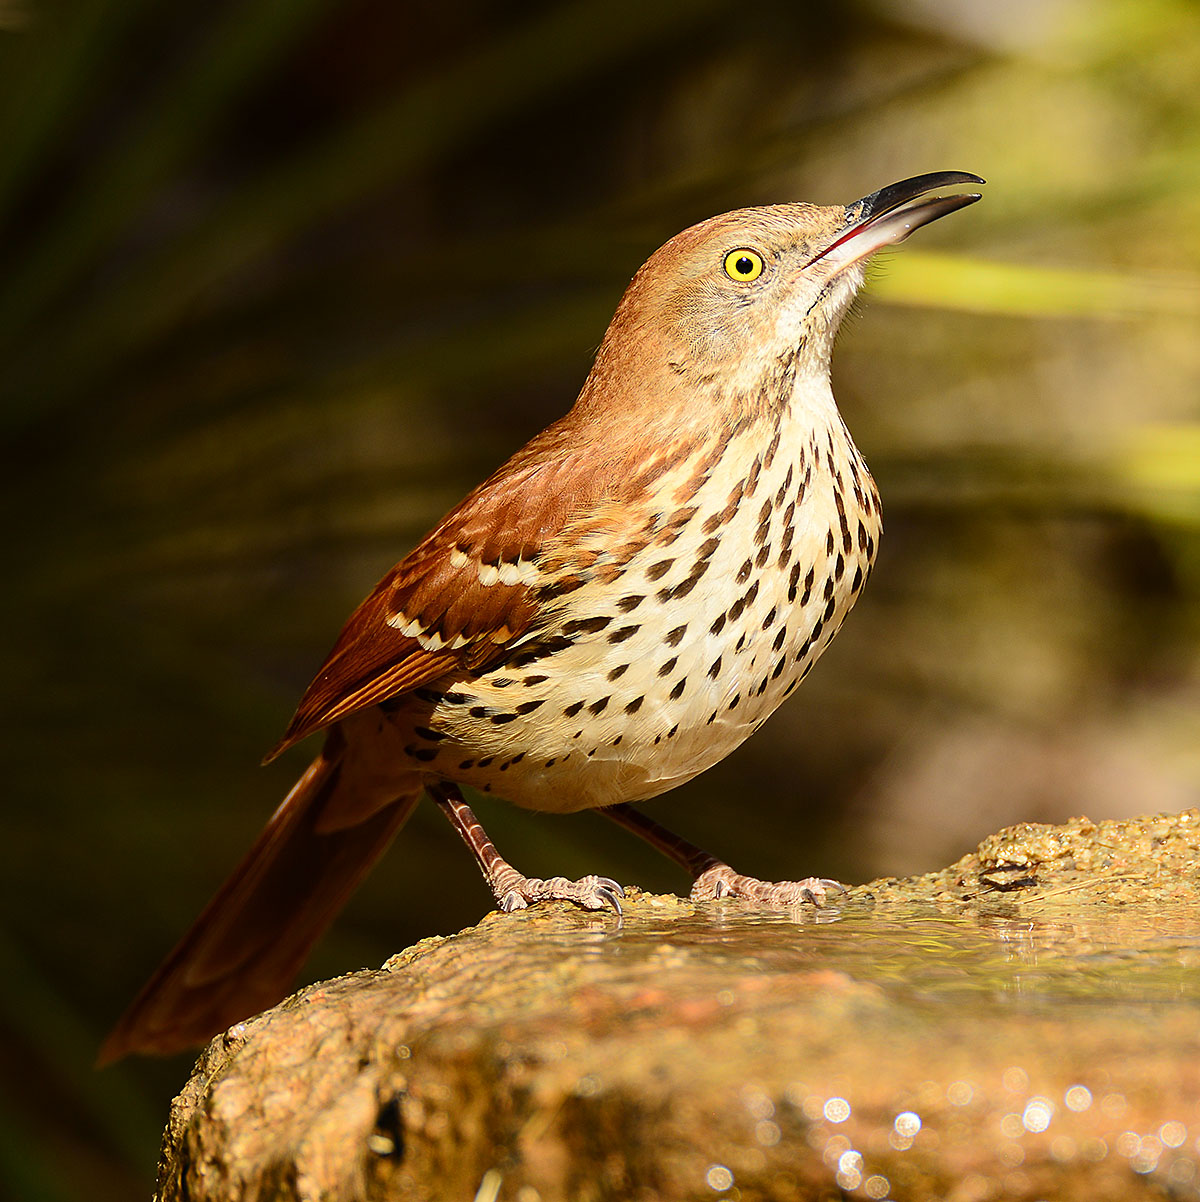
[[775, 646], [626, 632], [829, 543], [668, 667], [761, 558], [672, 639], [857, 583], [684, 586], [779, 668], [708, 548], [677, 691], [629, 604], [793, 581], [598, 707], [551, 763], [425, 754], [658, 570], [634, 705], [502, 682], [501, 719], [766, 622], [671, 732], [573, 709], [752, 478], [486, 761], [617, 741], [839, 567], [718, 625], [715, 670], [787, 483], [465, 765], [433, 736], [740, 643], [586, 625], [734, 703], [539, 678], [480, 711], [618, 672], [527, 707], [809, 580], [744, 572]]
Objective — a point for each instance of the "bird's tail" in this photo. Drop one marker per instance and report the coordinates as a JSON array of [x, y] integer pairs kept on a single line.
[[244, 950]]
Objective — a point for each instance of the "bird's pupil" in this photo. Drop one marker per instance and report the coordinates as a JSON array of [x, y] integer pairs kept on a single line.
[[744, 265]]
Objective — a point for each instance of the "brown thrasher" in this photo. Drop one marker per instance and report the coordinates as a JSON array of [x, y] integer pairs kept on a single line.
[[616, 609]]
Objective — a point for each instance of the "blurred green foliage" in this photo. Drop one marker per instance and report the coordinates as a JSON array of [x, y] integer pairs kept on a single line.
[[280, 280]]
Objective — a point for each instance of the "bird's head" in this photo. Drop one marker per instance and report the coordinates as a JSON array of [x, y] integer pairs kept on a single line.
[[733, 302]]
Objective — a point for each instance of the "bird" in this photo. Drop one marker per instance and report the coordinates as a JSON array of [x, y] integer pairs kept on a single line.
[[609, 614]]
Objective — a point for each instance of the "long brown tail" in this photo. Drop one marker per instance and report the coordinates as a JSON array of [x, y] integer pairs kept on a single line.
[[244, 950]]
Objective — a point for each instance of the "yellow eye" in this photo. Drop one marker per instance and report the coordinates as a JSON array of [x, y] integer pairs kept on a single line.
[[743, 265]]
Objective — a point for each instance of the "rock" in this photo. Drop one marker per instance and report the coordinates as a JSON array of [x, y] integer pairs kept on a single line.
[[1025, 1024]]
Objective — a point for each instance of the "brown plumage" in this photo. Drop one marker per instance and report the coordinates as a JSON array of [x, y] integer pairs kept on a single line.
[[615, 609]]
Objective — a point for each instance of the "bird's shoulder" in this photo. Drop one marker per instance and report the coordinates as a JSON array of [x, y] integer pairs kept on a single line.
[[478, 582]]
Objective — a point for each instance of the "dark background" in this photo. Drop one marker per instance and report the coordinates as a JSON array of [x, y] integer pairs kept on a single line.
[[280, 281]]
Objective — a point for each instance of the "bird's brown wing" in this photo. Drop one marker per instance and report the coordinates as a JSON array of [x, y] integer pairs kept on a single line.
[[468, 591]]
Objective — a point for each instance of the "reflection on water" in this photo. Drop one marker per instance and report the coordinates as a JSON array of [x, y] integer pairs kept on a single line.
[[921, 952]]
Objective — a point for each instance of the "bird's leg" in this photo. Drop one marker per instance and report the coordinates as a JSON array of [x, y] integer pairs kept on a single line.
[[712, 877], [512, 889]]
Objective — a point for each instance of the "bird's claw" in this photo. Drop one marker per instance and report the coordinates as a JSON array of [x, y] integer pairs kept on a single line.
[[721, 881], [589, 893]]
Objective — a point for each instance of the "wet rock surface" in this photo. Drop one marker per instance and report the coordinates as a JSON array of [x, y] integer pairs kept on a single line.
[[1024, 1024]]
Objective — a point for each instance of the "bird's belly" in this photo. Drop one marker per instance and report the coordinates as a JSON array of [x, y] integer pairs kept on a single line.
[[669, 670]]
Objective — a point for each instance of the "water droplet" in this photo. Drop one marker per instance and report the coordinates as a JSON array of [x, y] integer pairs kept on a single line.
[[837, 1110], [907, 1123]]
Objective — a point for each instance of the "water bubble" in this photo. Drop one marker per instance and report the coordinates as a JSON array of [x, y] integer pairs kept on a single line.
[[1037, 1114], [960, 1093], [877, 1186], [718, 1178], [907, 1123], [837, 1110], [767, 1133], [1078, 1098], [1011, 1126], [1128, 1143], [1173, 1133], [1015, 1079], [849, 1169]]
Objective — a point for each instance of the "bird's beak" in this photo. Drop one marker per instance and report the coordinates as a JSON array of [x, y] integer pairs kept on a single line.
[[891, 214]]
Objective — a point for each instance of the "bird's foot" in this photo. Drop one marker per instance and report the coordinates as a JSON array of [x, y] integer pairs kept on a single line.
[[516, 892], [721, 881]]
